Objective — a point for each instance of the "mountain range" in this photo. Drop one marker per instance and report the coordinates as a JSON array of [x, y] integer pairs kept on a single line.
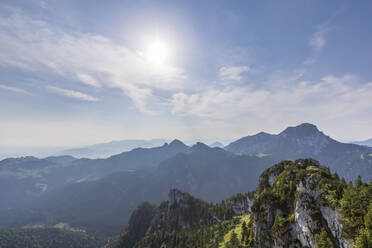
[[99, 195], [104, 204]]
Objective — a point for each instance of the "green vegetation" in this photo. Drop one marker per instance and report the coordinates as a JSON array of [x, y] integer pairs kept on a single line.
[[187, 222], [39, 237], [240, 233], [261, 218], [322, 240], [281, 223], [356, 209], [352, 200]]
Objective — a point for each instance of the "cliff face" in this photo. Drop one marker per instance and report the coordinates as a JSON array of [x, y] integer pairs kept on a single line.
[[292, 207]]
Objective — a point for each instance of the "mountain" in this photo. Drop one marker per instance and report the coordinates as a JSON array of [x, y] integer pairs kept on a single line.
[[105, 204], [57, 236], [104, 150], [296, 204], [23, 179], [11, 151], [136, 159], [305, 140], [61, 159], [364, 143]]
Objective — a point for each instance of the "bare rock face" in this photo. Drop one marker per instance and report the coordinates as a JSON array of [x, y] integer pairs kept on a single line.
[[306, 207], [332, 216], [294, 223], [311, 216], [242, 206]]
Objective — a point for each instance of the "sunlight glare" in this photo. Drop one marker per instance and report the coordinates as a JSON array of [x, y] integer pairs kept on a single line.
[[157, 53]]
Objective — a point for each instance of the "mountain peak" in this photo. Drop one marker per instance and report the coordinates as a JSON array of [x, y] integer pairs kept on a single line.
[[177, 142], [302, 130], [200, 145], [261, 134]]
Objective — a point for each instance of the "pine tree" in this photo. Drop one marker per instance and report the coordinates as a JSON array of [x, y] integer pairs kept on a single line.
[[234, 241], [322, 240], [244, 233], [364, 239]]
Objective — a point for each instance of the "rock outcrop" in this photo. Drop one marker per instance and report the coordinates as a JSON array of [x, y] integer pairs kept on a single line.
[[304, 213]]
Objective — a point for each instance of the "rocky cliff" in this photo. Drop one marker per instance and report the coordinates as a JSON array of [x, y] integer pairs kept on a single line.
[[293, 206], [296, 204]]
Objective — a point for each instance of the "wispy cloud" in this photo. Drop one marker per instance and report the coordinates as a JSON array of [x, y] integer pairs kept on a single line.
[[88, 79], [329, 98], [14, 89], [234, 73], [73, 94], [318, 40], [317, 43]]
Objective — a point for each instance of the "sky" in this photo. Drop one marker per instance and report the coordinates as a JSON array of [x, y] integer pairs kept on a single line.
[[77, 72]]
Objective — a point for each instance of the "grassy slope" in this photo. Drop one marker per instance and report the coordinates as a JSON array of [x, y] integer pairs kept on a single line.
[[236, 228]]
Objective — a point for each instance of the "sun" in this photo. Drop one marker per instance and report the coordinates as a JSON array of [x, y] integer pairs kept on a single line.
[[157, 52]]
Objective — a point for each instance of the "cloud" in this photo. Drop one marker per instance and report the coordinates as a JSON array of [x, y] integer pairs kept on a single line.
[[88, 79], [73, 94], [232, 73], [14, 89], [29, 43], [329, 98], [318, 40]]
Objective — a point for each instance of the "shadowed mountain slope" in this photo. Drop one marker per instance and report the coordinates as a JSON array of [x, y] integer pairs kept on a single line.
[[104, 204], [305, 140]]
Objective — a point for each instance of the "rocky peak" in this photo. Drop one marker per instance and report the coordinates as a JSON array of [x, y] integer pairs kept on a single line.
[[200, 146], [291, 206], [303, 130], [269, 176]]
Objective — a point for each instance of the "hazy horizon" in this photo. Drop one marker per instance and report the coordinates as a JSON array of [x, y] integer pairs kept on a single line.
[[45, 151]]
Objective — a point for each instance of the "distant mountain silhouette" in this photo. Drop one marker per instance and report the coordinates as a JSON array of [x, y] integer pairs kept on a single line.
[[61, 159], [104, 150], [306, 141], [364, 143], [22, 179]]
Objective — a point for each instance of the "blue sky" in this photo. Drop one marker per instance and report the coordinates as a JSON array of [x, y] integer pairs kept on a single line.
[[78, 72]]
